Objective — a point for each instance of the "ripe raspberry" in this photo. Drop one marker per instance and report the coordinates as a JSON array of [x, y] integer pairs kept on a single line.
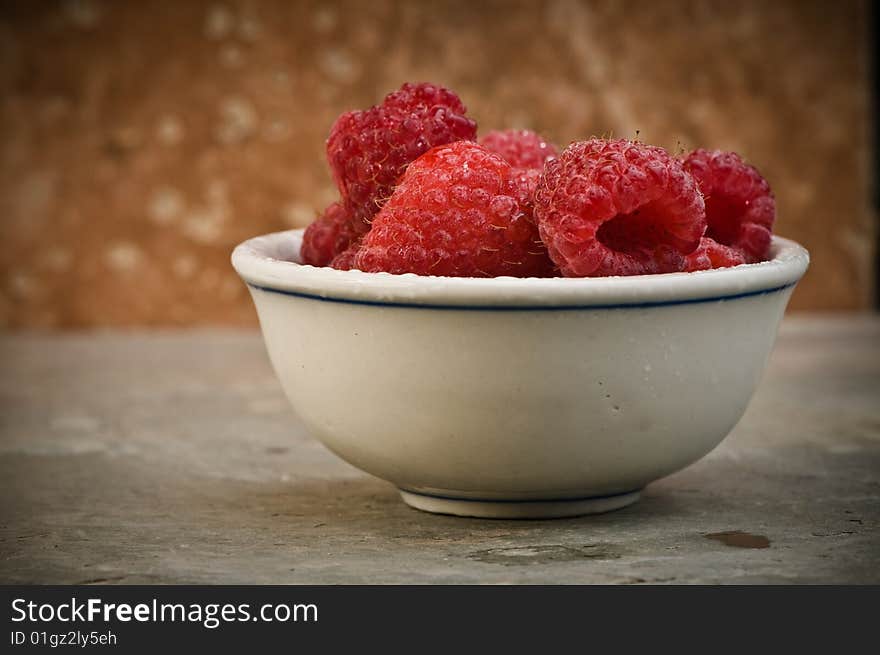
[[618, 208], [520, 148], [455, 213], [526, 151], [711, 254], [526, 183], [369, 150], [327, 236], [740, 208], [344, 261]]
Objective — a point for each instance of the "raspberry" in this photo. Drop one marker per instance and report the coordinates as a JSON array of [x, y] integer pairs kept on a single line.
[[527, 182], [369, 150], [711, 254], [520, 148], [327, 236], [526, 151], [344, 261], [456, 212], [618, 208], [740, 208]]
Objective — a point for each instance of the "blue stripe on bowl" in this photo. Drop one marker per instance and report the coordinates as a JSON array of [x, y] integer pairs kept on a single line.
[[524, 308]]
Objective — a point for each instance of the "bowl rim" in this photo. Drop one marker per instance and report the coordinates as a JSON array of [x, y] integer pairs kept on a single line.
[[269, 263]]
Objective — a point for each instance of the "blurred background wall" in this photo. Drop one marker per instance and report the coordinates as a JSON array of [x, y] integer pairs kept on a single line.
[[140, 141]]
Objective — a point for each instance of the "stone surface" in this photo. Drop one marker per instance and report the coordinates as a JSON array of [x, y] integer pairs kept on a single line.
[[174, 458], [139, 141]]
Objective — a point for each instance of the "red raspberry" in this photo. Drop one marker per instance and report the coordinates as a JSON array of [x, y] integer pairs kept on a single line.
[[369, 150], [520, 148], [711, 254], [740, 208], [526, 151], [618, 208], [455, 212], [327, 236], [527, 182], [344, 261]]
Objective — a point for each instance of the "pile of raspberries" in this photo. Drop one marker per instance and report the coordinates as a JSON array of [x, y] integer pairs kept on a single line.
[[420, 194]]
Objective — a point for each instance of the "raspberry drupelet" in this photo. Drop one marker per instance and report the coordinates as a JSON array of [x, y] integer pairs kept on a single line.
[[456, 212], [618, 207]]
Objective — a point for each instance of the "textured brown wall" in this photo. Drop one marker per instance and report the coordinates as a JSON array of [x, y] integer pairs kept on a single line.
[[141, 141]]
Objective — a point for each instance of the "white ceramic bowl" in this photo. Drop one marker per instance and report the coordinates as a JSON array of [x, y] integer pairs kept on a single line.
[[512, 397]]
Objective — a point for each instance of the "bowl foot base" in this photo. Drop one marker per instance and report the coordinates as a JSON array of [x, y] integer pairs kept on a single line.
[[518, 509]]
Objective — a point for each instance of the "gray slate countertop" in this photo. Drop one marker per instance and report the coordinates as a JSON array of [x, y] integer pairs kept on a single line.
[[173, 457]]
